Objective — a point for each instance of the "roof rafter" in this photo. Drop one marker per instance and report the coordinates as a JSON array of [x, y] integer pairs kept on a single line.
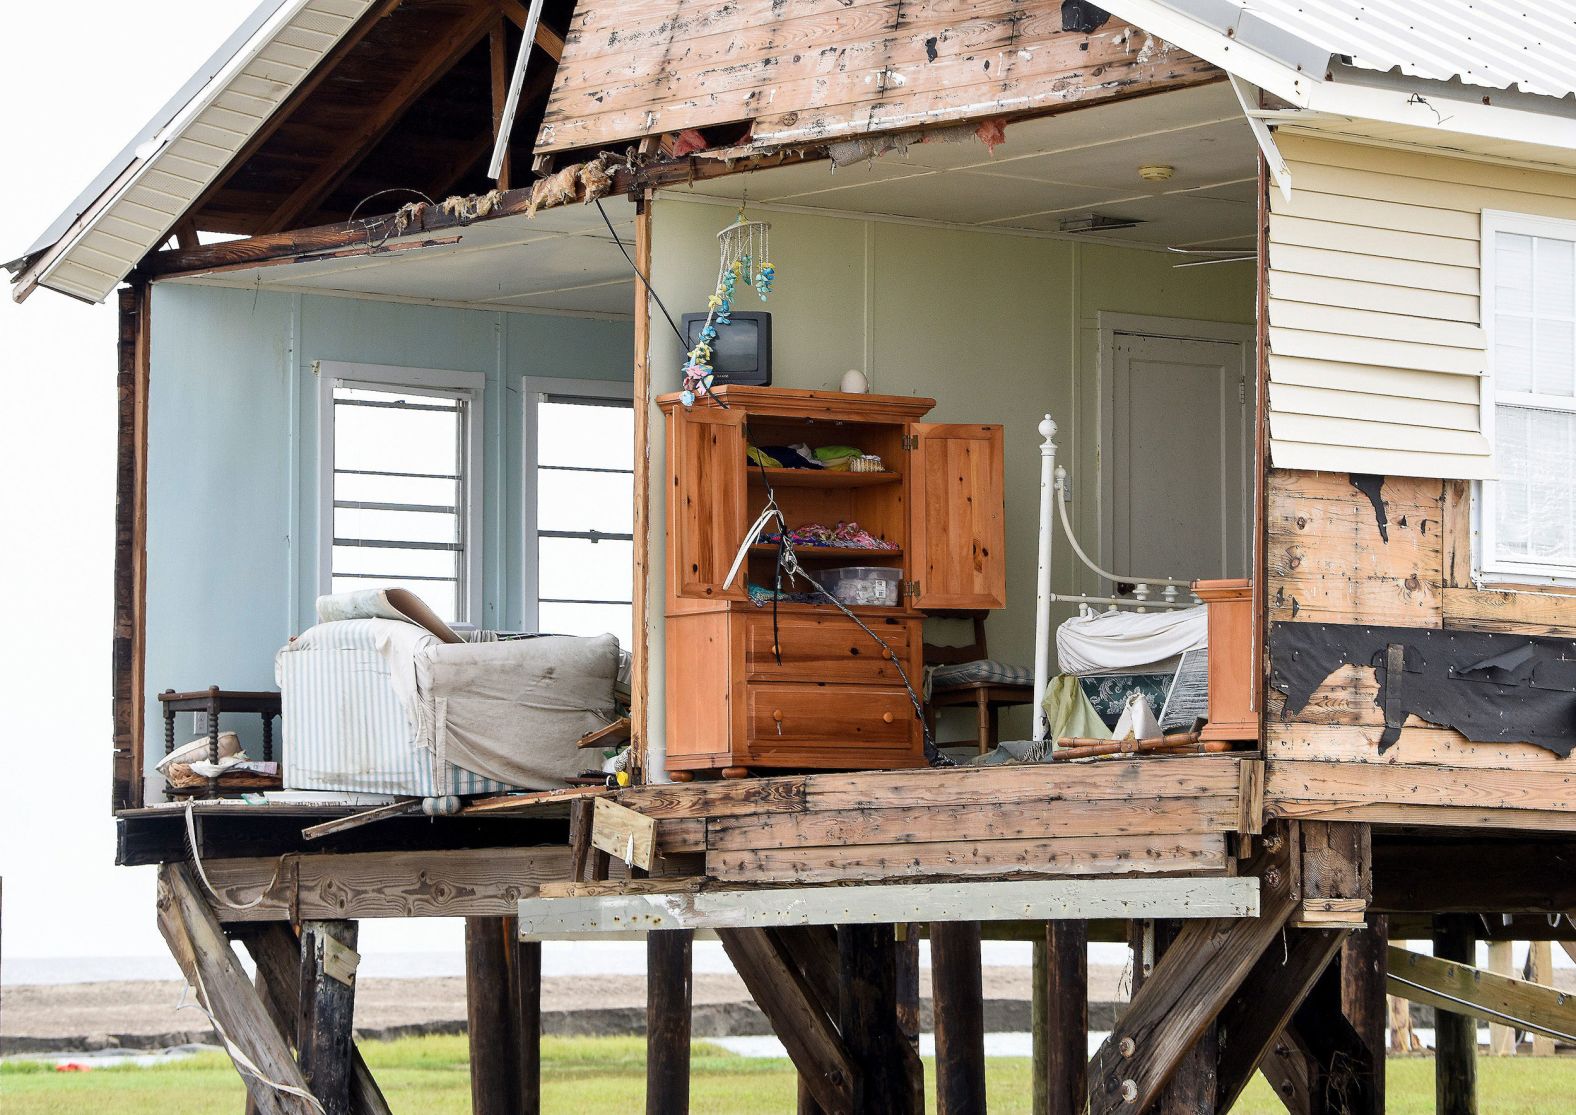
[[341, 162]]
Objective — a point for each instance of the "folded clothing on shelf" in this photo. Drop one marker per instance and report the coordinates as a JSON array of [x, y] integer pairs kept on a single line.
[[844, 536]]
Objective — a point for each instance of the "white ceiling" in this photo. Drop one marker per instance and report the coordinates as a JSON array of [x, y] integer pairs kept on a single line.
[[561, 259], [1051, 168], [1047, 169]]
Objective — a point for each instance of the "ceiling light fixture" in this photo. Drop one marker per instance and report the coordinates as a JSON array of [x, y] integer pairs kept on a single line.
[[1156, 172], [1097, 222]]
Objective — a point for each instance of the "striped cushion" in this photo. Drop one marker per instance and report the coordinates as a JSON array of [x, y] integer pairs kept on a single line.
[[984, 670]]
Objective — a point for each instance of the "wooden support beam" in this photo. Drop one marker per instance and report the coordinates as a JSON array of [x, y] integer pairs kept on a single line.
[[463, 883], [1193, 1085], [1463, 990], [784, 995], [340, 162], [1455, 1035], [908, 981], [867, 1019], [1540, 969], [640, 605], [1501, 962], [549, 40], [958, 1007], [1259, 1012], [500, 1064], [668, 998], [528, 1009], [327, 1004], [985, 900], [498, 72], [1319, 1065], [210, 966], [1061, 1019], [1200, 973], [276, 952]]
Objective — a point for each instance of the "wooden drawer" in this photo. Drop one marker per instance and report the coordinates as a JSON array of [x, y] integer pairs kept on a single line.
[[816, 649], [836, 716]]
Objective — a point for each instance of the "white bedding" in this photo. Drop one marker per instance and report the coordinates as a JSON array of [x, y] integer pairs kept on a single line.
[[1125, 641]]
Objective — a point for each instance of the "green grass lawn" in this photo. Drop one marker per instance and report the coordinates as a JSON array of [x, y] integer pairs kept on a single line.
[[581, 1075]]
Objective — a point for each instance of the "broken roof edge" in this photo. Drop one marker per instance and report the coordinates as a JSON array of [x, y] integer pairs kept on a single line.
[[1315, 80], [128, 156]]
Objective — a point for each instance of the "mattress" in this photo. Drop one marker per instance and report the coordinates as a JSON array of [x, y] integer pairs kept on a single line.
[[384, 706]]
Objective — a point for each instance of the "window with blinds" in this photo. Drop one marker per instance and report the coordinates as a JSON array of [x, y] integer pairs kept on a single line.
[[1528, 517], [580, 515], [399, 493]]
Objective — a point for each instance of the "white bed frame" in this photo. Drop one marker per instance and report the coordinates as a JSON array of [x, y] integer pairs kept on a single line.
[[1053, 490]]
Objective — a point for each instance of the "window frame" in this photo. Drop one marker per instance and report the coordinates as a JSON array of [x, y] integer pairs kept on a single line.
[[1487, 565], [532, 388], [467, 387]]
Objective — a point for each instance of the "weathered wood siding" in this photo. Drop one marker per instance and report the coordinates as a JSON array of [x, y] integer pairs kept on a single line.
[[817, 69], [1376, 341], [1326, 561]]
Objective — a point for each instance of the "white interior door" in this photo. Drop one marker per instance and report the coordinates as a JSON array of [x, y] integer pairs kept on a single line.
[[1179, 457]]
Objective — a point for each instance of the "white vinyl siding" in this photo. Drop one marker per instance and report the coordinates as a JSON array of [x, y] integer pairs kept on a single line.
[[1527, 519], [1377, 346]]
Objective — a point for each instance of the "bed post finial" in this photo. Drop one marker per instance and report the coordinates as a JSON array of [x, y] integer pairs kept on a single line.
[[1047, 431]]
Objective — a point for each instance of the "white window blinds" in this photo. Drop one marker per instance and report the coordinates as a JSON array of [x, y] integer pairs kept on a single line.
[[1529, 511]]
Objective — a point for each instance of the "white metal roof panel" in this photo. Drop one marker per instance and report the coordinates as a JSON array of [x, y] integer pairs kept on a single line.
[[1498, 44], [135, 200]]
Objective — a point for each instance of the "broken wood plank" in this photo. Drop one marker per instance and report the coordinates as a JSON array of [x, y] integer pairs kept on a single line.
[[356, 820], [211, 969], [1461, 988], [622, 832], [612, 735], [998, 900], [1167, 854], [530, 802]]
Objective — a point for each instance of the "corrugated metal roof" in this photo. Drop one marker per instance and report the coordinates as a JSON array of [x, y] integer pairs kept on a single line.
[[1498, 44], [131, 206]]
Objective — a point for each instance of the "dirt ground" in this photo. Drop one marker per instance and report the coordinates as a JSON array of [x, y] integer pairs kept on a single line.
[[150, 1013]]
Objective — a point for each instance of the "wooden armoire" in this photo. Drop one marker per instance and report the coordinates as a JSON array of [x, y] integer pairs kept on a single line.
[[813, 691]]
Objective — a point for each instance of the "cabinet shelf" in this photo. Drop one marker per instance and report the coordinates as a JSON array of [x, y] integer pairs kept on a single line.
[[823, 553], [822, 478]]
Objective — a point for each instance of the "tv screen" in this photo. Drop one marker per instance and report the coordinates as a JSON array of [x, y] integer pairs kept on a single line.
[[742, 352]]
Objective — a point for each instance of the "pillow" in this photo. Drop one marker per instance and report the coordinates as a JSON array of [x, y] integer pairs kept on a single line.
[[384, 603]]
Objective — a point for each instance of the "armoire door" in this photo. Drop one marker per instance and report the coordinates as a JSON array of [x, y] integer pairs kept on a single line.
[[957, 517], [706, 492]]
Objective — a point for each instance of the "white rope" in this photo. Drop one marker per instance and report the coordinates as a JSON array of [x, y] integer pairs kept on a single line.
[[238, 1056], [191, 841]]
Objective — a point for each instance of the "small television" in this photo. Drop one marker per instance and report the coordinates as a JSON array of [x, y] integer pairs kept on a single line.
[[742, 352]]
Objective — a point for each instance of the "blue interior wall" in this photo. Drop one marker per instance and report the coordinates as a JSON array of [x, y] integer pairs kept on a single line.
[[233, 470]]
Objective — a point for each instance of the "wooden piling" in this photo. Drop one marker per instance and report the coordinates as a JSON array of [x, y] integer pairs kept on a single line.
[[1192, 1088], [1363, 999], [668, 998], [323, 1031], [867, 1010], [502, 1013], [957, 1000], [1455, 1035], [1061, 1019], [528, 1009]]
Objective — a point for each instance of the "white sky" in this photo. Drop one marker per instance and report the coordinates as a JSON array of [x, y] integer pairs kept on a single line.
[[73, 101]]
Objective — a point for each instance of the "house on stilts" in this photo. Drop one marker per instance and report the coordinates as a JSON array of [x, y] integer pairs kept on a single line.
[[1211, 363]]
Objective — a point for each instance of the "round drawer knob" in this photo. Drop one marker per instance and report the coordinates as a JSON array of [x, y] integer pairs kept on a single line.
[[775, 650], [777, 714], [887, 716]]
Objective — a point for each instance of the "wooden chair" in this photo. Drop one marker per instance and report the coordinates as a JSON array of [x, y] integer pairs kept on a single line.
[[995, 689]]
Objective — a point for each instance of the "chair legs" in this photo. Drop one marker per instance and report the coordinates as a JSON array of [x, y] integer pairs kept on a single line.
[[985, 718]]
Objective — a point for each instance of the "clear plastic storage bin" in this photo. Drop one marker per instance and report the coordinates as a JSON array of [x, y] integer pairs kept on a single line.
[[864, 586]]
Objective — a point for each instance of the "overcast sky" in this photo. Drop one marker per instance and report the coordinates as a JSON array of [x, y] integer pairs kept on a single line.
[[75, 95]]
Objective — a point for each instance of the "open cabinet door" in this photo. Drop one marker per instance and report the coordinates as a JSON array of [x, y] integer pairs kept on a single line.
[[957, 527], [706, 513]]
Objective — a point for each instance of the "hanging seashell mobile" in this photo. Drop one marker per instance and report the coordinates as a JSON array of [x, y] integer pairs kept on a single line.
[[745, 256]]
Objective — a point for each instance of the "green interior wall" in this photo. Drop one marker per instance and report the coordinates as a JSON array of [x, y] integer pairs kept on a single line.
[[994, 327]]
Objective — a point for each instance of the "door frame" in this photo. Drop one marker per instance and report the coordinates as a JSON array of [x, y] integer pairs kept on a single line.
[[1110, 326]]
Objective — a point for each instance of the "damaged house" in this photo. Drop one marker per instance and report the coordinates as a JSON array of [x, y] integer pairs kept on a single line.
[[829, 473]]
